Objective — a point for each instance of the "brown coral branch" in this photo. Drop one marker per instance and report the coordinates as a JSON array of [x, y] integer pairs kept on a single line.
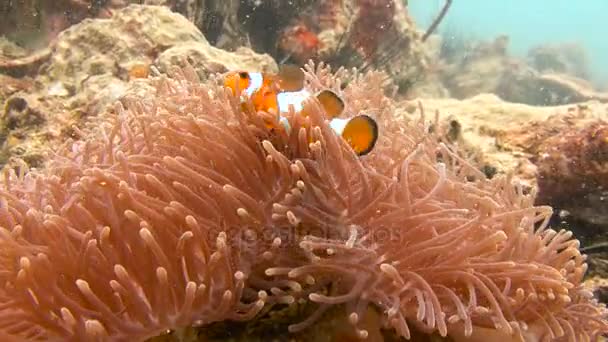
[[437, 20]]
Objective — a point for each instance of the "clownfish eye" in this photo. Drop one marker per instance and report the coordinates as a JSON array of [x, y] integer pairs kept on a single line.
[[243, 75]]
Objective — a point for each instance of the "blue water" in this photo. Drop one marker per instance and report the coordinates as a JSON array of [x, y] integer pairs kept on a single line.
[[529, 23]]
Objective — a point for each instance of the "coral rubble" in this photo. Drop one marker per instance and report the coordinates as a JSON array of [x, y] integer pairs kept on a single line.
[[179, 210]]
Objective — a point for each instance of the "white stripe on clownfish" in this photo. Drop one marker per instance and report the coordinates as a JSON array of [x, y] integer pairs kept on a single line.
[[294, 98], [256, 79], [283, 120], [338, 125]]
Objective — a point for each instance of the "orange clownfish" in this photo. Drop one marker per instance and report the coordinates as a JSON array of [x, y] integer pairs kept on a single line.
[[262, 88], [276, 93]]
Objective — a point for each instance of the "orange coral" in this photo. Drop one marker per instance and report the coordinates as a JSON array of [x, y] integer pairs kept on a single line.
[[178, 211]]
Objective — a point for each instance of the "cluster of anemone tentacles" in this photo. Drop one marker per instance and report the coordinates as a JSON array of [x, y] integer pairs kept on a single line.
[[180, 209]]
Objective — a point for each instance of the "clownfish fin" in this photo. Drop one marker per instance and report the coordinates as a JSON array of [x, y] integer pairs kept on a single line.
[[331, 102], [291, 77], [360, 132]]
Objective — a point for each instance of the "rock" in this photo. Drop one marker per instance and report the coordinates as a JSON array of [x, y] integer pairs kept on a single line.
[[207, 59], [546, 89], [571, 88], [25, 129], [567, 58], [133, 37], [480, 71], [96, 62], [109, 46], [102, 91], [506, 136], [35, 23], [484, 120], [10, 85]]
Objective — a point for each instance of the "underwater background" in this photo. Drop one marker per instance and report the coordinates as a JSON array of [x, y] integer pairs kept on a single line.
[[528, 24], [442, 174]]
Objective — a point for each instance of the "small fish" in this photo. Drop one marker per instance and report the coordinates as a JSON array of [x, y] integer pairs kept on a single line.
[[290, 78], [258, 87], [276, 93]]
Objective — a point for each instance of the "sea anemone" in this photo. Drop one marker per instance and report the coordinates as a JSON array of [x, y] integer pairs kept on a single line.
[[182, 209]]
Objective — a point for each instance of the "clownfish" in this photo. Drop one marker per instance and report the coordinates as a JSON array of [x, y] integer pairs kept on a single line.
[[276, 93]]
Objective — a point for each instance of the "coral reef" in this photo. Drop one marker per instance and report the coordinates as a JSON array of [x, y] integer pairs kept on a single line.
[[371, 25], [481, 71], [466, 70], [178, 210], [351, 33], [90, 65], [375, 34], [342, 33]]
